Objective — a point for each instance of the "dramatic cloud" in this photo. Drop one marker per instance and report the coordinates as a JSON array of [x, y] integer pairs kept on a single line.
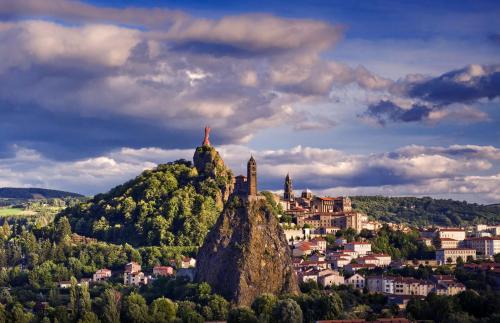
[[447, 97], [466, 172], [163, 68], [387, 111], [466, 85]]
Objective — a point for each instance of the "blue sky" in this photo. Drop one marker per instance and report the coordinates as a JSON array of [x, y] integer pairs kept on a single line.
[[368, 97]]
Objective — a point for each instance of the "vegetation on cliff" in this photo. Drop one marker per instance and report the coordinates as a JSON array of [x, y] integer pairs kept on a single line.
[[174, 204], [425, 210]]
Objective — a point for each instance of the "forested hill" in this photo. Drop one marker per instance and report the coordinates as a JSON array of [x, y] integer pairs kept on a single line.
[[426, 210], [174, 204], [33, 193]]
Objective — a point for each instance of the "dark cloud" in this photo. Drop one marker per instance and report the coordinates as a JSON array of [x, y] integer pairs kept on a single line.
[[460, 86], [72, 136], [450, 96], [386, 110]]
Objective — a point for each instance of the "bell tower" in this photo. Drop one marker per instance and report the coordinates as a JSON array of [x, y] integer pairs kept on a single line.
[[288, 195], [252, 177]]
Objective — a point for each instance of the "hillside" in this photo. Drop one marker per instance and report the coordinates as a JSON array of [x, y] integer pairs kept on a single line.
[[33, 193], [174, 204], [425, 210]]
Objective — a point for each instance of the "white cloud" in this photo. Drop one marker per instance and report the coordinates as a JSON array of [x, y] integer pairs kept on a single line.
[[238, 73], [457, 171]]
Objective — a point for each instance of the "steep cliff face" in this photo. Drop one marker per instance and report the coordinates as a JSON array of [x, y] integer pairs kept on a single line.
[[209, 164], [246, 253]]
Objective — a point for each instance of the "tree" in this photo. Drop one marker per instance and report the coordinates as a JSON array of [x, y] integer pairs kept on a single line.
[[136, 309], [5, 231], [84, 302], [186, 311], [62, 229], [112, 306], [73, 299], [89, 317], [241, 314], [3, 313], [287, 311], [54, 297], [204, 289], [19, 315], [263, 306], [330, 306], [163, 310], [219, 307]]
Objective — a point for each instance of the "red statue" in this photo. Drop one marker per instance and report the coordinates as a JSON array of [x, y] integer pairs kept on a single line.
[[206, 142]]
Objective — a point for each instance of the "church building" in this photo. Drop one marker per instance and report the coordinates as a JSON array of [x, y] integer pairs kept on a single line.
[[247, 186]]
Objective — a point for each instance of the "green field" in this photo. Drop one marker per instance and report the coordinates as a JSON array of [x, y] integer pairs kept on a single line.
[[9, 211]]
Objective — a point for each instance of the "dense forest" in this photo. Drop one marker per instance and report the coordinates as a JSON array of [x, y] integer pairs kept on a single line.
[[174, 204], [426, 210]]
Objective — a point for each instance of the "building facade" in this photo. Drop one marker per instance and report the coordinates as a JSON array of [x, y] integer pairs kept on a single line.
[[450, 256]]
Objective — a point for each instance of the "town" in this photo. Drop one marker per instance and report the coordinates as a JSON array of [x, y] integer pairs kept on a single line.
[[330, 247], [337, 261]]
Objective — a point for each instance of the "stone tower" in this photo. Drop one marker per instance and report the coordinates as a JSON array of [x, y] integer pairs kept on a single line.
[[288, 195], [252, 177]]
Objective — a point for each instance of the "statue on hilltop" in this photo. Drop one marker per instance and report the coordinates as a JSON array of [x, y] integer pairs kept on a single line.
[[206, 142]]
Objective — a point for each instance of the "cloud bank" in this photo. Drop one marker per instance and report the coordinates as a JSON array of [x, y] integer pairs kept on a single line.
[[458, 171], [174, 72]]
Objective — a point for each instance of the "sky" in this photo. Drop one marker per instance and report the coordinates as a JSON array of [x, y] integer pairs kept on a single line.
[[349, 97]]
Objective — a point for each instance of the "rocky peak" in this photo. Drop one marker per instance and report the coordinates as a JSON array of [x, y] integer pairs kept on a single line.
[[246, 253], [209, 164]]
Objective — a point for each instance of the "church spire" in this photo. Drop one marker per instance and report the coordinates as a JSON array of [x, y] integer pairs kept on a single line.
[[288, 194], [252, 177]]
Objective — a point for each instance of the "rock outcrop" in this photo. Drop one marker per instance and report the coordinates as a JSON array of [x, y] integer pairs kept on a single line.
[[209, 163], [246, 253]]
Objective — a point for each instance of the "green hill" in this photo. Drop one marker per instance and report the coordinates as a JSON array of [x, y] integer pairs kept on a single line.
[[426, 210], [33, 193], [174, 204]]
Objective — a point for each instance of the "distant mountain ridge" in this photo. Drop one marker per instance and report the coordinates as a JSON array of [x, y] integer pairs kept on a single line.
[[426, 210], [34, 193]]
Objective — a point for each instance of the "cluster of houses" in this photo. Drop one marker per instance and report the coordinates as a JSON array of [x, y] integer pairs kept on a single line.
[[322, 214], [134, 276], [312, 261], [453, 244]]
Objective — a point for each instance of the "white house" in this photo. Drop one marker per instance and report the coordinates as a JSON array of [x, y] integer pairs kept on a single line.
[[101, 274], [320, 243], [451, 233], [330, 278], [188, 262], [362, 248], [356, 281]]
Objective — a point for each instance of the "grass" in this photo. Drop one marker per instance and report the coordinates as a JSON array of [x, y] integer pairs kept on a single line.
[[9, 211]]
